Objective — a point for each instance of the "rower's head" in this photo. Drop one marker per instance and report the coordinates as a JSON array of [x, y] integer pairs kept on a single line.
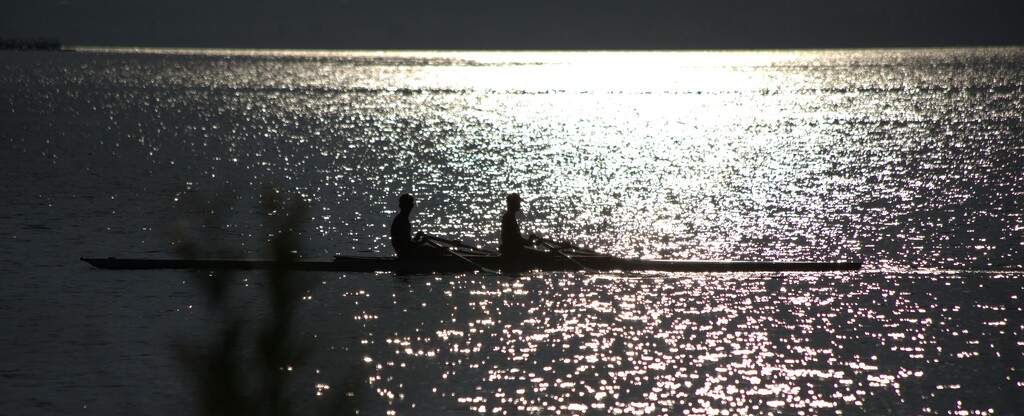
[[406, 202], [513, 201]]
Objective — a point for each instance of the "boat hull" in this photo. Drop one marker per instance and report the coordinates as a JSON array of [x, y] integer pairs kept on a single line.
[[454, 264]]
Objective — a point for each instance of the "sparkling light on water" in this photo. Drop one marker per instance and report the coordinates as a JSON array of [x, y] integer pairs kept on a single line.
[[686, 345], [906, 159]]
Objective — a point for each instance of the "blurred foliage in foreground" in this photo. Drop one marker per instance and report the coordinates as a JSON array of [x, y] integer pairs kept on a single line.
[[246, 367]]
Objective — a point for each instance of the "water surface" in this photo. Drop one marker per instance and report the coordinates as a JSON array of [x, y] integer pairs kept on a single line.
[[909, 160]]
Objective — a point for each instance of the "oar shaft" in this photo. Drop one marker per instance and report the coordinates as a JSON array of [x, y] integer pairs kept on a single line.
[[565, 245], [464, 258], [456, 243], [551, 246]]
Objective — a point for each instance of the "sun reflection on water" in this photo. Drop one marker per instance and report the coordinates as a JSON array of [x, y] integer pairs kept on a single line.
[[908, 160], [746, 155], [686, 344], [793, 156]]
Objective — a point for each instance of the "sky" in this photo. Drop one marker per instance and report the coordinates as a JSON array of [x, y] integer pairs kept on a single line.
[[523, 24]]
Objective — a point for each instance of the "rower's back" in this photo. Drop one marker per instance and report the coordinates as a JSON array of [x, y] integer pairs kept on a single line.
[[401, 227], [512, 241]]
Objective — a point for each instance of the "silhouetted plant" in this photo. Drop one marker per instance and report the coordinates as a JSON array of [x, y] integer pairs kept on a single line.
[[247, 366]]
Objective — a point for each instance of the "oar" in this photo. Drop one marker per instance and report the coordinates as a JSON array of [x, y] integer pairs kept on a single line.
[[454, 243], [550, 245], [467, 260], [576, 249]]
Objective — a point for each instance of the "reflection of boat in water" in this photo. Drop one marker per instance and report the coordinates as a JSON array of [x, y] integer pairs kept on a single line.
[[31, 45], [463, 258]]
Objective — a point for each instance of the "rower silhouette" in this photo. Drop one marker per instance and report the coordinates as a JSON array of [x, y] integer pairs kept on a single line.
[[407, 247], [512, 242]]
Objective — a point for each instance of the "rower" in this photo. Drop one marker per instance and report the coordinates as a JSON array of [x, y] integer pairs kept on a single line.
[[512, 242], [401, 233]]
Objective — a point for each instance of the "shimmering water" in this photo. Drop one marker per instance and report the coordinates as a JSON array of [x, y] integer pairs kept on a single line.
[[910, 160]]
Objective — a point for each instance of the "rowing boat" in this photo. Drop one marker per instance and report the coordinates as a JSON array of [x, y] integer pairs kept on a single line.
[[458, 257], [469, 263]]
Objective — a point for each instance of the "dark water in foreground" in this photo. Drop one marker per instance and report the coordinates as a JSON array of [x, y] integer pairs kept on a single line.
[[910, 160]]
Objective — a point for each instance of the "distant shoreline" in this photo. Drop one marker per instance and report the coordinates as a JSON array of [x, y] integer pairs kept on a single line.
[[15, 44]]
